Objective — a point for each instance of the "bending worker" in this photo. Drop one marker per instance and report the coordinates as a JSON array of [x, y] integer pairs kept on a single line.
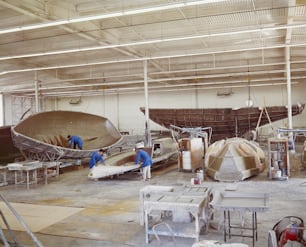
[[75, 141], [96, 157], [143, 156]]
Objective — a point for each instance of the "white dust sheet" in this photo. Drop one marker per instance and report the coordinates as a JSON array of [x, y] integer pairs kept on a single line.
[[36, 217]]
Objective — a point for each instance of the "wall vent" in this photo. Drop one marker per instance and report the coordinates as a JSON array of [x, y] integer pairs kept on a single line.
[[75, 101], [223, 93]]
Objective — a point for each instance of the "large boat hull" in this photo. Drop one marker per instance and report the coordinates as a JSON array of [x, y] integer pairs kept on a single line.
[[225, 122], [43, 136], [8, 152]]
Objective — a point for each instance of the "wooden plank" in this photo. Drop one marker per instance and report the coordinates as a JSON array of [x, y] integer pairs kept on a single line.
[[37, 217]]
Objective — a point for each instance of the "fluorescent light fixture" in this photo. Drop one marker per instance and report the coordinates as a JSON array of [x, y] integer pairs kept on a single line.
[[148, 42], [133, 90], [199, 85], [29, 87], [145, 58], [109, 15], [249, 103]]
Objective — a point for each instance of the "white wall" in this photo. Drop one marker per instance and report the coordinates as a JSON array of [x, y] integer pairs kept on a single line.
[[8, 113], [16, 108], [123, 110]]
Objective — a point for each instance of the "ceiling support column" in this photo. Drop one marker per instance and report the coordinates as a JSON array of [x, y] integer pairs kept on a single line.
[[288, 75], [289, 98], [147, 123], [36, 94]]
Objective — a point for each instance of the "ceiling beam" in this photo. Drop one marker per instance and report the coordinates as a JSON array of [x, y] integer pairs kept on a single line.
[[146, 58], [122, 13], [146, 42]]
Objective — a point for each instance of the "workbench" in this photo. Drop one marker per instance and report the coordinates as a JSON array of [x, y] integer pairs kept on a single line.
[[187, 201], [146, 192], [25, 172], [229, 202], [51, 169], [3, 171]]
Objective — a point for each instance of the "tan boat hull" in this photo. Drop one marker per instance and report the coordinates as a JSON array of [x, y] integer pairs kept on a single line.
[[44, 135]]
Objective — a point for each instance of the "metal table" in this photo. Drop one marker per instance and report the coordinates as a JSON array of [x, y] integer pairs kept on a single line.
[[26, 167], [3, 170], [187, 200], [241, 202], [147, 192], [51, 169]]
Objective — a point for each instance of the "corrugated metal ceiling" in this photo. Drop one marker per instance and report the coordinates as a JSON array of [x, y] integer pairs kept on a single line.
[[185, 46]]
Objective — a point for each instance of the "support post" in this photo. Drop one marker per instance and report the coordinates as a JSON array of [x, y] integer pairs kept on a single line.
[[147, 123], [289, 99], [36, 94]]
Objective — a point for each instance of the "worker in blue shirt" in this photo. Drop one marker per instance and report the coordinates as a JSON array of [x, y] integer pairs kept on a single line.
[[75, 141], [96, 156], [146, 160]]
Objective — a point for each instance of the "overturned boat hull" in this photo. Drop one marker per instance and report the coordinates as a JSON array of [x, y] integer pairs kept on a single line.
[[225, 122], [234, 159], [43, 136]]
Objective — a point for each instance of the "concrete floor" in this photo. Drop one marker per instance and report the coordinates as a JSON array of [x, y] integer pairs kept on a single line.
[[111, 207]]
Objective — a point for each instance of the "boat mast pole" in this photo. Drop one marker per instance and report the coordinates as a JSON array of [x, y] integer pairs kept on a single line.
[[147, 127]]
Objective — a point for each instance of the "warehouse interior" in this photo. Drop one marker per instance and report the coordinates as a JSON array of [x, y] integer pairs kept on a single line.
[[100, 69]]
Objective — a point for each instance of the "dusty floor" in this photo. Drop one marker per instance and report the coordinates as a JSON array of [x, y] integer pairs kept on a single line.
[[111, 207]]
